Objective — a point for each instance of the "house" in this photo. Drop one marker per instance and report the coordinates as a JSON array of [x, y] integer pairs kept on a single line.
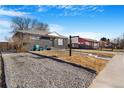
[[107, 44], [78, 42], [42, 38], [4, 46]]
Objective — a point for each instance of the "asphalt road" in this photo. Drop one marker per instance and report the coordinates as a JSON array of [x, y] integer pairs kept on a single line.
[[28, 70]]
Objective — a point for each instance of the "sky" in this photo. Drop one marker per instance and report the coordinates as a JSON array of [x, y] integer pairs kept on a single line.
[[88, 21]]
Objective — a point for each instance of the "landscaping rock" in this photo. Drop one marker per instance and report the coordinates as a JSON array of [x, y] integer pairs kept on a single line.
[[28, 70], [0, 73]]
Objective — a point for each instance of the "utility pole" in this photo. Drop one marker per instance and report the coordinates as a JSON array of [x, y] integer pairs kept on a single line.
[[70, 46]]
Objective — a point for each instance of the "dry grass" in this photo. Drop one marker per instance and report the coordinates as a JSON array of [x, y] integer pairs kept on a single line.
[[83, 60], [97, 52]]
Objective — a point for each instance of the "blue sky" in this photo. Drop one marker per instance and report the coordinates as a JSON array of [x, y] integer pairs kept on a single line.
[[86, 21]]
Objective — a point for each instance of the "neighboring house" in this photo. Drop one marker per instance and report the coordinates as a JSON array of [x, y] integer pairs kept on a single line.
[[42, 38], [4, 46], [106, 44], [78, 42]]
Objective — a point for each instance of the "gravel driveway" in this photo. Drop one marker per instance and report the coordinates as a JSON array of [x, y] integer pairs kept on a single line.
[[0, 73], [28, 70]]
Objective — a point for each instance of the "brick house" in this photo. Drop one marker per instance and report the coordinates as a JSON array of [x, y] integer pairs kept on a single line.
[[42, 38], [85, 43]]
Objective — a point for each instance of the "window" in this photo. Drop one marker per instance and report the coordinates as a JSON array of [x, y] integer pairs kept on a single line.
[[43, 37], [60, 41]]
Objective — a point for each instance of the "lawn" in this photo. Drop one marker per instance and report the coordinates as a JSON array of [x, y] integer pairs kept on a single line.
[[77, 58]]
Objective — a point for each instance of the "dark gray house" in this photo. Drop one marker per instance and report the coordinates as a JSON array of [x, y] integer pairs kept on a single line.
[[42, 38]]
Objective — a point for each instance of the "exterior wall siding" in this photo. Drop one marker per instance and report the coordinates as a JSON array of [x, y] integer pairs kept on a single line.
[[43, 41], [4, 46], [83, 43], [65, 44]]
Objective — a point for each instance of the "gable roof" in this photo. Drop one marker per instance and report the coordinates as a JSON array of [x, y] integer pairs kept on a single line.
[[88, 39], [91, 40], [33, 32], [55, 34], [42, 33]]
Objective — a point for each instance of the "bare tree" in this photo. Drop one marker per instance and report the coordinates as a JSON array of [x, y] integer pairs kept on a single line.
[[102, 42], [18, 42], [39, 25], [23, 23], [19, 23], [122, 42], [119, 42]]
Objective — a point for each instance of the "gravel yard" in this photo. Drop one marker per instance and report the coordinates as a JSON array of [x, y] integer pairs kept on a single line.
[[0, 73], [28, 70]]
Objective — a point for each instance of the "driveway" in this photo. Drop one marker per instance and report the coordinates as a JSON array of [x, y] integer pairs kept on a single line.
[[28, 70], [0, 73]]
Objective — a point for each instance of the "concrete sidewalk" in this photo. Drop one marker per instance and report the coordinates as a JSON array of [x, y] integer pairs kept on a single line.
[[112, 75]]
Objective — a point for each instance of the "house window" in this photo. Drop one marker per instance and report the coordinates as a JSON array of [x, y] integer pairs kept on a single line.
[[43, 37], [60, 41]]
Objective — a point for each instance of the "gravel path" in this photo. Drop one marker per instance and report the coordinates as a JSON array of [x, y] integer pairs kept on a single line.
[[0, 73], [28, 70]]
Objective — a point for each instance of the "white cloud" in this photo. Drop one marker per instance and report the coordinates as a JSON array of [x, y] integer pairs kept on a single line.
[[72, 10], [56, 27], [100, 10], [91, 35], [81, 10], [41, 8], [5, 30], [64, 6], [12, 13], [79, 7], [61, 30], [5, 23], [21, 8], [5, 33]]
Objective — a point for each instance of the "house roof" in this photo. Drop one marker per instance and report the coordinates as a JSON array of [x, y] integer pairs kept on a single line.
[[36, 32], [55, 34], [42, 33], [88, 39], [92, 40]]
